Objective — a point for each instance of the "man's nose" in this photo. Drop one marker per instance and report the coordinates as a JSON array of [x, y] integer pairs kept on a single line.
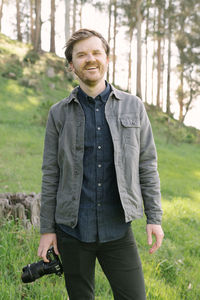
[[90, 57]]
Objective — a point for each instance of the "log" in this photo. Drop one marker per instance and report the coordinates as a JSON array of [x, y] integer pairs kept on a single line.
[[21, 206]]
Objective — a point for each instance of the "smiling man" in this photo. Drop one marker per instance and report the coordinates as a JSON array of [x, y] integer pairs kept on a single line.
[[99, 173]]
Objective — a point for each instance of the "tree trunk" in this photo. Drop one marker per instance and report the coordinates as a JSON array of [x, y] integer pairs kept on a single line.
[[52, 41], [80, 14], [38, 23], [67, 20], [19, 34], [32, 22], [130, 60], [114, 39], [109, 30], [153, 58], [169, 62], [139, 49], [1, 12], [181, 97], [159, 57], [146, 54], [74, 16]]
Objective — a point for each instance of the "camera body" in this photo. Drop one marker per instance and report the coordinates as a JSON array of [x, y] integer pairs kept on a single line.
[[31, 272]]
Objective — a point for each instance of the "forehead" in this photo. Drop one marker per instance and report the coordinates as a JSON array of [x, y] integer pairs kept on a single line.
[[89, 44]]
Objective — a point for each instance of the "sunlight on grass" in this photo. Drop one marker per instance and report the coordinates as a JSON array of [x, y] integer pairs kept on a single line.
[[13, 87], [18, 106], [33, 100]]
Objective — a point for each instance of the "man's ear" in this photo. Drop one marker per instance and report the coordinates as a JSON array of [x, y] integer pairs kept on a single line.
[[71, 66]]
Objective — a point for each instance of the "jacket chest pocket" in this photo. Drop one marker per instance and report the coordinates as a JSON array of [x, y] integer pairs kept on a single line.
[[130, 128]]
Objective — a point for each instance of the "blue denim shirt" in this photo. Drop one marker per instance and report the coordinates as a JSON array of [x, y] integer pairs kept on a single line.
[[101, 216]]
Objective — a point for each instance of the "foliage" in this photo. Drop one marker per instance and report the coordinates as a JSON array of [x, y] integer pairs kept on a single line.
[[31, 57], [12, 65]]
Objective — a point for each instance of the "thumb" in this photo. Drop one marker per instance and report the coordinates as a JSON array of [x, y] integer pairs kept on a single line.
[[55, 247]]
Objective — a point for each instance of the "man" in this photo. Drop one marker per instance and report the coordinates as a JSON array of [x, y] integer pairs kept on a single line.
[[99, 169]]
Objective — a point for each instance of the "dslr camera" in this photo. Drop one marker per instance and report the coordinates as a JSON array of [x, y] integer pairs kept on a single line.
[[36, 270]]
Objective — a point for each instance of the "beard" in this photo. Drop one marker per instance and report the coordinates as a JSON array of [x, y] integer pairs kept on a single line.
[[91, 73]]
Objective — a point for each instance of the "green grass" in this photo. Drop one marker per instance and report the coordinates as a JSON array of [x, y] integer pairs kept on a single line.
[[172, 273]]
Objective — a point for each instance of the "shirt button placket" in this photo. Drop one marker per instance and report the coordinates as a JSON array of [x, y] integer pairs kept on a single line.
[[99, 138]]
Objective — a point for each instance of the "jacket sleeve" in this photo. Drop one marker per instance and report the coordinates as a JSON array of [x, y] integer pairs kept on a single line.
[[149, 177], [50, 177]]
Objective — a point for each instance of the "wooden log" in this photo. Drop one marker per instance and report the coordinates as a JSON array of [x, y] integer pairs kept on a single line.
[[21, 206]]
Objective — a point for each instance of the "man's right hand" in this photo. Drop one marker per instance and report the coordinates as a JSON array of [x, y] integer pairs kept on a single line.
[[46, 241]]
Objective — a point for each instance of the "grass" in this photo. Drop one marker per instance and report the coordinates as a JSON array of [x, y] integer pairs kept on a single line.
[[172, 273]]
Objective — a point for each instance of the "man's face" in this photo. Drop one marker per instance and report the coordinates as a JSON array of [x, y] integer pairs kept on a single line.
[[89, 61]]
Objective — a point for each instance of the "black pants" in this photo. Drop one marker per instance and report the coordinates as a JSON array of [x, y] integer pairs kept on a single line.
[[119, 260]]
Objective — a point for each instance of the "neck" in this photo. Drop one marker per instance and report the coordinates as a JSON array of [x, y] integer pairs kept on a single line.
[[93, 90]]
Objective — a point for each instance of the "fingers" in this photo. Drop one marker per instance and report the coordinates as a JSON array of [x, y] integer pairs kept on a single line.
[[46, 241], [157, 231]]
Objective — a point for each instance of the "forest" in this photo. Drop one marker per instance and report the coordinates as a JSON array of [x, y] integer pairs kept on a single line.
[[164, 64]]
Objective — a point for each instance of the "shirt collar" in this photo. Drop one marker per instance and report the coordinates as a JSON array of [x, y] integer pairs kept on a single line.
[[103, 96]]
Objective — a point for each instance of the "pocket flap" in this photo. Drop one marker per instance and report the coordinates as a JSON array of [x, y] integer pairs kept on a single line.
[[130, 122]]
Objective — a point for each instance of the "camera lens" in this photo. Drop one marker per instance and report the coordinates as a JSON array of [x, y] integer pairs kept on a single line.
[[27, 275], [33, 271]]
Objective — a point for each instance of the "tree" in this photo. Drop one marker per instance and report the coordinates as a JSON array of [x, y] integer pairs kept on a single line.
[[19, 33], [1, 12], [38, 24], [109, 33], [114, 39], [74, 15], [160, 33], [139, 47], [32, 21], [67, 19], [147, 8], [52, 40], [170, 17], [188, 45]]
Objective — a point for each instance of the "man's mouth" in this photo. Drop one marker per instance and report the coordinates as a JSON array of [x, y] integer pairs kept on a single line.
[[91, 68]]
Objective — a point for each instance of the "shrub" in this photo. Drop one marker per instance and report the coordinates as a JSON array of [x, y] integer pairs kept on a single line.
[[13, 66], [31, 57]]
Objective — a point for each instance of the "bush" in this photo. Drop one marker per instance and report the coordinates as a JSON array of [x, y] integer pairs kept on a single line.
[[31, 57], [12, 66]]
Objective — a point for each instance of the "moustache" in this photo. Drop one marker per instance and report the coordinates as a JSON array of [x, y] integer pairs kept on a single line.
[[88, 65]]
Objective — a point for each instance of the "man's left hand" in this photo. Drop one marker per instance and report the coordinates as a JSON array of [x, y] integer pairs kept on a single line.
[[159, 235]]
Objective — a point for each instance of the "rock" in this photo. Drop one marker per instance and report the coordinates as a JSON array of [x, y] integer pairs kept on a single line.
[[10, 75], [50, 72]]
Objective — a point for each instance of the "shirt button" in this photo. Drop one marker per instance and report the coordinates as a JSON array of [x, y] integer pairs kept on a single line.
[[99, 166], [99, 184], [97, 109], [98, 128], [99, 147], [99, 204]]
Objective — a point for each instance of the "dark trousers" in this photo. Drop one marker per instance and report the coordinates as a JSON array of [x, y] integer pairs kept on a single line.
[[119, 260]]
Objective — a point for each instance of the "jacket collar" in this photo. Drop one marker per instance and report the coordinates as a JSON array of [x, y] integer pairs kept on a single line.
[[119, 95]]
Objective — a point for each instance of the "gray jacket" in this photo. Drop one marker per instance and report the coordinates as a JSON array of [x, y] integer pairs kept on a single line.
[[135, 160]]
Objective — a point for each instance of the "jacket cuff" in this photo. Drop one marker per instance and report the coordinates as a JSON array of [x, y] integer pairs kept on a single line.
[[154, 220]]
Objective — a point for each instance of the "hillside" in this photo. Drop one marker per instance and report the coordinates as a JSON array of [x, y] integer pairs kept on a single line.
[[29, 84]]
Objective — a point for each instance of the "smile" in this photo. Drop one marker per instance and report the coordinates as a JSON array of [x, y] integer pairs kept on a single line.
[[92, 68]]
